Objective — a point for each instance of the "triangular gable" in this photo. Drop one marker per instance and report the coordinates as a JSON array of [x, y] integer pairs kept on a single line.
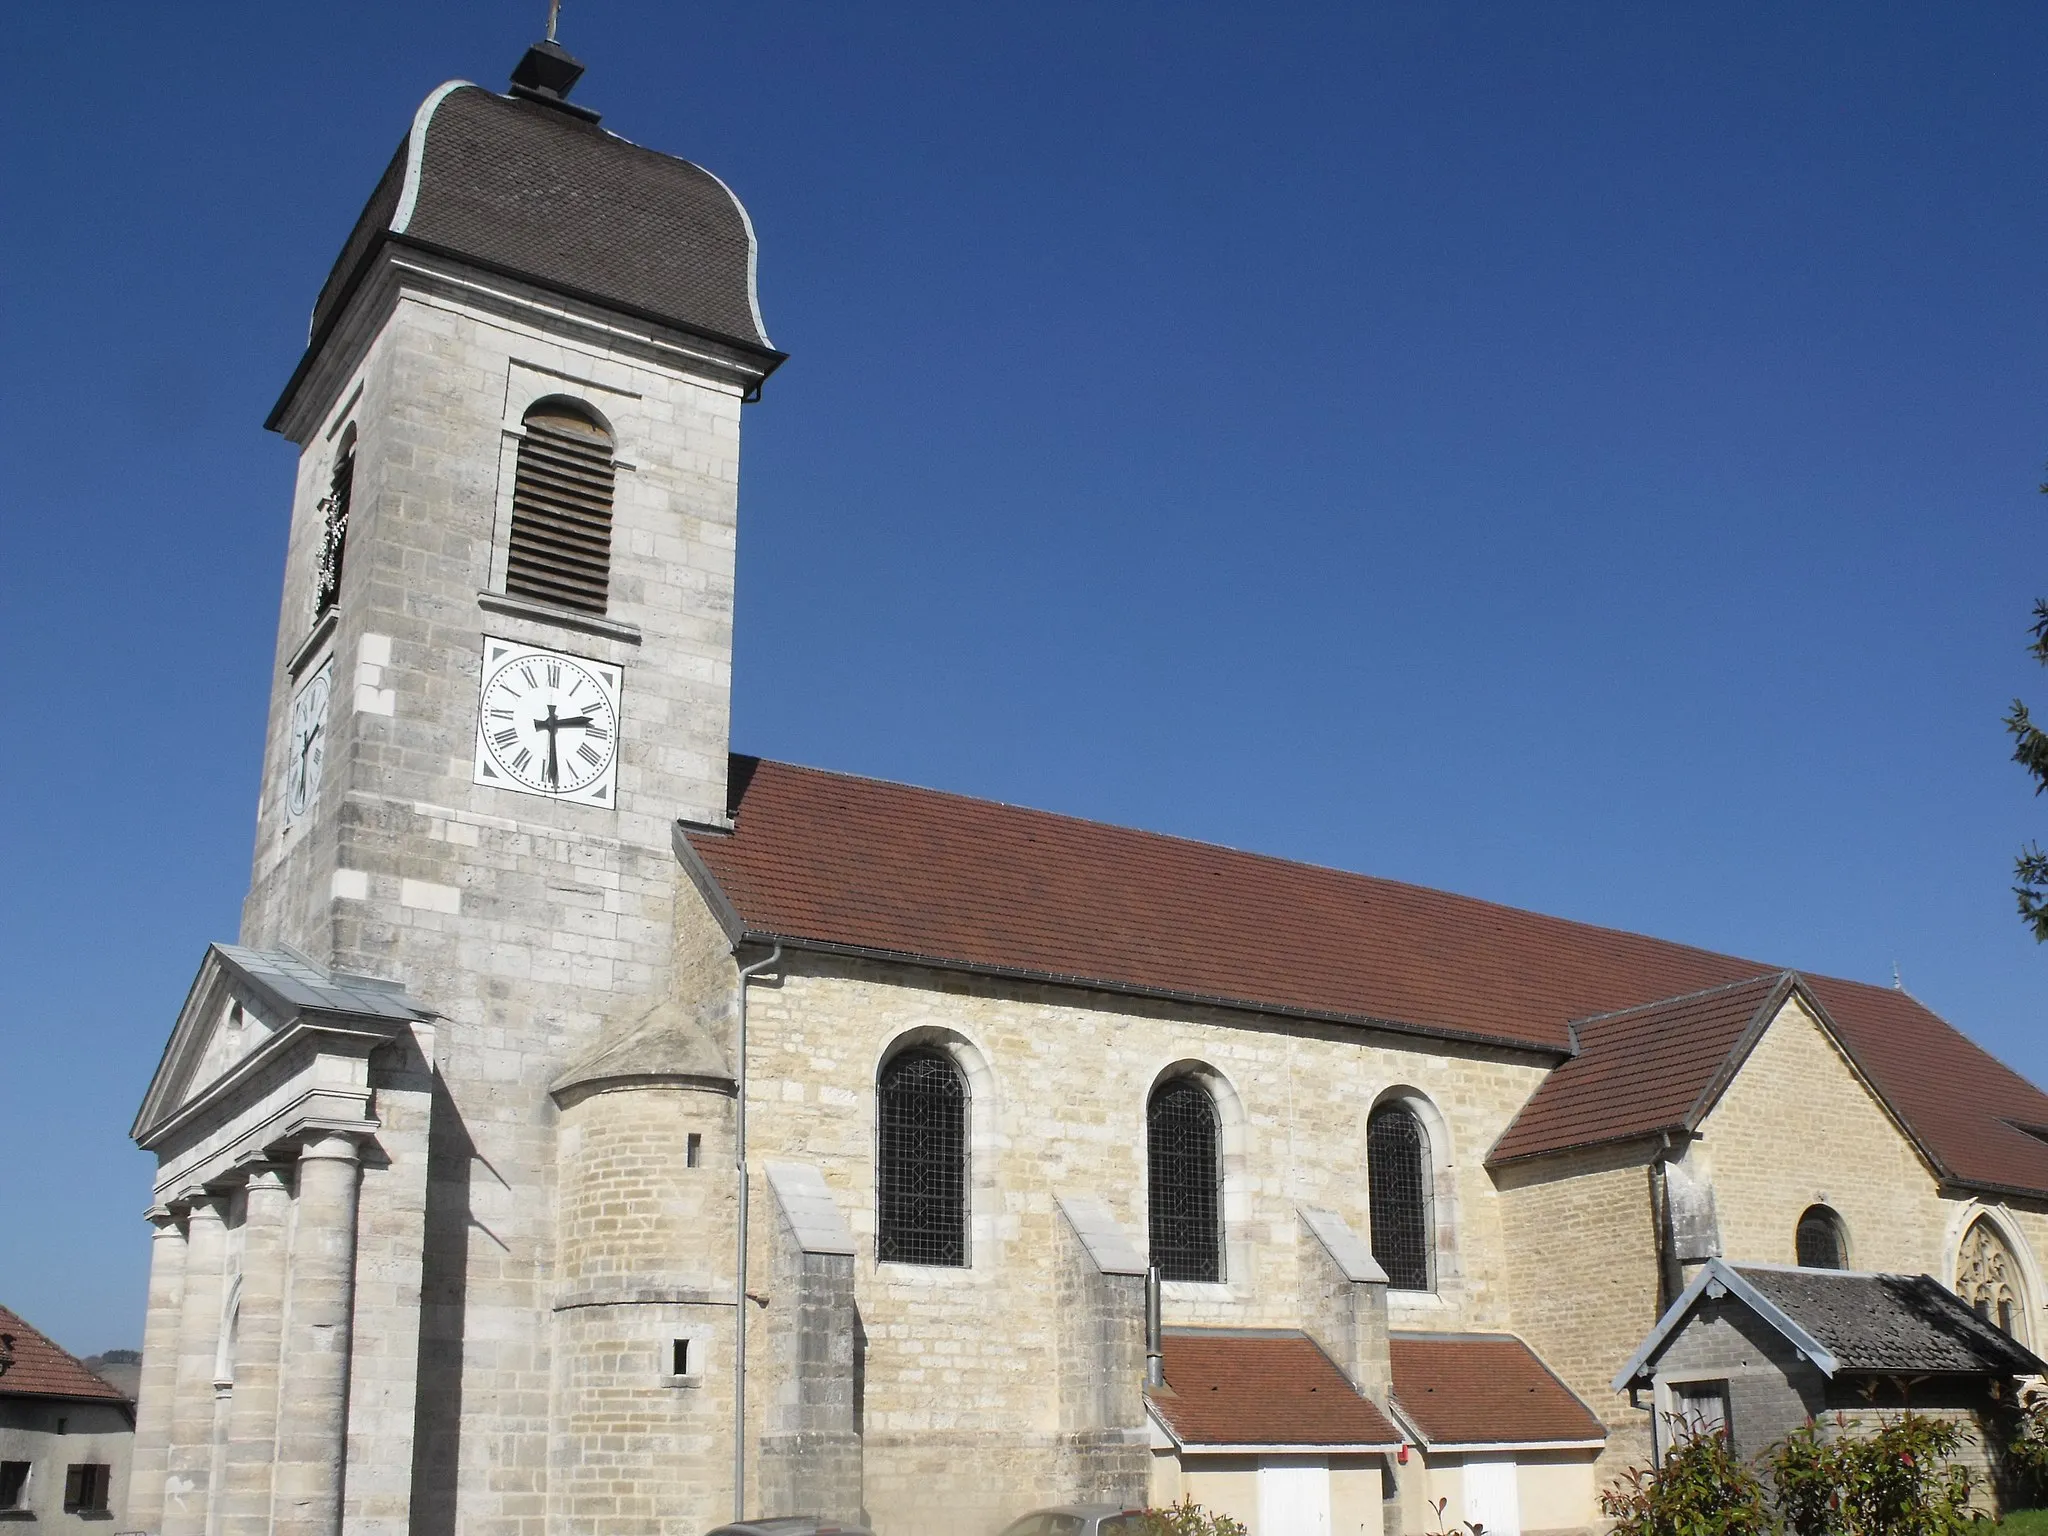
[[243, 998], [1718, 1278]]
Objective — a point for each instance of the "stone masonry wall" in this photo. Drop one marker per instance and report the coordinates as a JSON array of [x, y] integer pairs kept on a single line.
[[962, 1407]]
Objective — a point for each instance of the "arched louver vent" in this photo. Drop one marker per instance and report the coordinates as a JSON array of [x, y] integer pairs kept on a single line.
[[561, 549], [334, 508]]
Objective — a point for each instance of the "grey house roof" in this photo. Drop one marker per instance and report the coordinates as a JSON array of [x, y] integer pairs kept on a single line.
[[1847, 1322], [540, 192]]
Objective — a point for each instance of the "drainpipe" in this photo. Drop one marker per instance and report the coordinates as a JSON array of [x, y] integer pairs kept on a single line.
[[1155, 1349], [739, 1310]]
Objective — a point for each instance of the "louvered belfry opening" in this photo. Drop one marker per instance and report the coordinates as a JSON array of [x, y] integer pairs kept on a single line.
[[922, 1162], [1184, 1177], [1397, 1183], [334, 508], [561, 548]]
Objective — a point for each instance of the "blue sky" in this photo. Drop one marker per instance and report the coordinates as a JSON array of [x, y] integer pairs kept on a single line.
[[1579, 455]]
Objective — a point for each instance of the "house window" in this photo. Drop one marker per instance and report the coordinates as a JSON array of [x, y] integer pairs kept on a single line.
[[1185, 1178], [561, 545], [334, 508], [1821, 1242], [1988, 1278], [85, 1487], [13, 1484], [921, 1164], [1697, 1408], [1398, 1185]]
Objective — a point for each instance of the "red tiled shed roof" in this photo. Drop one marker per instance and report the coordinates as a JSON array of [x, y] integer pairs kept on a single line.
[[1484, 1389], [1246, 1387], [1640, 1072], [41, 1369], [830, 860]]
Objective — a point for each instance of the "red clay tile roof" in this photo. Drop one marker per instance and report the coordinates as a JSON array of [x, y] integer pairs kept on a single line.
[[831, 860], [1232, 1387], [1484, 1389], [1639, 1072], [41, 1369]]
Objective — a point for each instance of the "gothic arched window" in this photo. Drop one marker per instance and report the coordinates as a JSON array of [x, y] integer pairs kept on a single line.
[[921, 1161], [1184, 1178], [1398, 1184], [1820, 1242], [561, 545], [1988, 1278]]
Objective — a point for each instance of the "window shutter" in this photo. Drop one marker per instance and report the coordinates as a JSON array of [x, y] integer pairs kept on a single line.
[[561, 545]]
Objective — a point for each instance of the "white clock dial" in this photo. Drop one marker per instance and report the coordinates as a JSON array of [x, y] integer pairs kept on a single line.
[[307, 746], [548, 724]]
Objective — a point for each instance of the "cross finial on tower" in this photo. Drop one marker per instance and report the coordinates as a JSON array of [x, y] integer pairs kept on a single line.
[[554, 17]]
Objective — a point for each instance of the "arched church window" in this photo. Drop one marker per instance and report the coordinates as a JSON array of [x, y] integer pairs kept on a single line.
[[921, 1165], [334, 508], [1398, 1184], [561, 546], [1820, 1241], [1988, 1278], [1184, 1178]]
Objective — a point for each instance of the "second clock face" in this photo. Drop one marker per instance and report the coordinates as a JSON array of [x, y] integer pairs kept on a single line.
[[548, 724]]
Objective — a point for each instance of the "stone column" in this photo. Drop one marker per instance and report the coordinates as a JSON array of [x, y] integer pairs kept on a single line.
[[189, 1461], [156, 1396], [312, 1422], [244, 1498]]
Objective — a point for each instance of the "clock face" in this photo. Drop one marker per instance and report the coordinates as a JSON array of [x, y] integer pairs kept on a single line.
[[548, 724], [307, 747]]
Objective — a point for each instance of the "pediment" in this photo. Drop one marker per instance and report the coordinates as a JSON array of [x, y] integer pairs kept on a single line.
[[242, 1000]]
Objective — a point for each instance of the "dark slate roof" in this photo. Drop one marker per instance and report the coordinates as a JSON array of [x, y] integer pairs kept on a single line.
[[32, 1366], [1484, 1389], [520, 187], [1890, 1323], [1228, 1386], [833, 861]]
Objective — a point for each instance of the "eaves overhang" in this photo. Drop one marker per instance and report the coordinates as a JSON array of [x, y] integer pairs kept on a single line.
[[1715, 1279]]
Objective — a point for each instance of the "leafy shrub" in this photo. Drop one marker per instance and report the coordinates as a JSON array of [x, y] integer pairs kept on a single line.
[[1894, 1481], [1187, 1518], [2025, 1445], [1703, 1489]]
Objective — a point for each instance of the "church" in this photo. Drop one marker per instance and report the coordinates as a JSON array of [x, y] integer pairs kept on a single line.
[[596, 1130]]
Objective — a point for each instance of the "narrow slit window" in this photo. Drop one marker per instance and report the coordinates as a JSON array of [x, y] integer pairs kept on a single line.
[[1184, 1177], [679, 1357], [561, 545], [693, 1156], [922, 1166], [334, 510], [1397, 1180]]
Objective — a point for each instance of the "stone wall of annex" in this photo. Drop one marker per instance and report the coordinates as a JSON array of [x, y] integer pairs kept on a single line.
[[958, 1360]]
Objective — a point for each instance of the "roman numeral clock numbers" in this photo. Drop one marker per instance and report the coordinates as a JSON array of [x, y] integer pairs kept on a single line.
[[548, 724]]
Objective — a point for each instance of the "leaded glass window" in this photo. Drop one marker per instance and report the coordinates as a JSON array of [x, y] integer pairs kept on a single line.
[[1988, 1278], [922, 1161], [1398, 1180], [1186, 1228], [1819, 1241]]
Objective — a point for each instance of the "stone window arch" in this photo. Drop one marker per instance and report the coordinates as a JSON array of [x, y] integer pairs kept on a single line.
[[1821, 1241], [1400, 1185], [1184, 1180], [1988, 1277], [560, 549], [921, 1159]]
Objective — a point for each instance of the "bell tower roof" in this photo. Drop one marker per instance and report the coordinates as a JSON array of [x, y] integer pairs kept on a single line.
[[530, 186]]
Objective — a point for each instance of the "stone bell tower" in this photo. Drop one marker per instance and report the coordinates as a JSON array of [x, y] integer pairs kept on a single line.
[[503, 673]]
